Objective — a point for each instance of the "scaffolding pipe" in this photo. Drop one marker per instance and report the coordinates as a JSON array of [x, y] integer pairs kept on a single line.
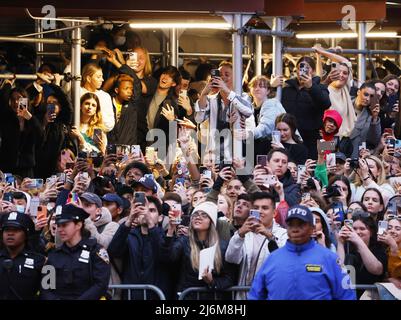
[[277, 52], [11, 76], [258, 55], [343, 51], [267, 33], [31, 40], [237, 55], [361, 57], [76, 73], [173, 43], [38, 45]]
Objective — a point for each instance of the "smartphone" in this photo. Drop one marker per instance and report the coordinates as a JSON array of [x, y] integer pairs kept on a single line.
[[349, 222], [334, 66], [140, 197], [85, 175], [362, 146], [150, 153], [180, 180], [97, 136], [82, 155], [390, 143], [301, 171], [177, 212], [382, 226], [61, 177], [255, 214], [136, 150], [306, 196], [261, 160], [33, 206], [69, 165], [338, 209], [183, 93], [225, 165], [323, 145], [72, 198], [8, 196], [41, 213], [215, 73], [51, 108], [270, 179], [111, 149], [22, 103], [207, 174], [10, 179], [133, 56], [303, 69], [51, 181], [330, 159], [398, 143], [276, 136]]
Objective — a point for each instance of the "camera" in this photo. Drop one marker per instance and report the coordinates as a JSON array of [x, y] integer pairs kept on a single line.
[[332, 191], [354, 164]]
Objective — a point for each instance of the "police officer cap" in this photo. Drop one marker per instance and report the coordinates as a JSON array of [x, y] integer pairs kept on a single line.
[[70, 212], [300, 212], [18, 220]]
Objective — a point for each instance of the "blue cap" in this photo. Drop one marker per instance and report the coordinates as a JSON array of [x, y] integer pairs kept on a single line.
[[147, 183], [300, 212], [92, 198], [112, 197]]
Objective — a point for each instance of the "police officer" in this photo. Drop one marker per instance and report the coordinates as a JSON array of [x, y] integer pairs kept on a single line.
[[302, 269], [20, 268], [82, 268]]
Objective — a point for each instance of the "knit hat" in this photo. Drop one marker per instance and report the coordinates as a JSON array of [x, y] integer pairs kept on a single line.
[[208, 207]]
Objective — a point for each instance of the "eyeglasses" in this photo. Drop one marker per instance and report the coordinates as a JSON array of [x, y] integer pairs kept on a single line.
[[393, 216], [197, 214]]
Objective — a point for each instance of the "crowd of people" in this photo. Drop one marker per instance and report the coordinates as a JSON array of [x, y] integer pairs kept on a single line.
[[146, 190]]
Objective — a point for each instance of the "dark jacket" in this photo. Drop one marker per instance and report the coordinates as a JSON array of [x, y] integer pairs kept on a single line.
[[131, 127], [307, 105], [22, 282], [140, 256], [80, 275], [178, 251], [17, 149], [292, 191]]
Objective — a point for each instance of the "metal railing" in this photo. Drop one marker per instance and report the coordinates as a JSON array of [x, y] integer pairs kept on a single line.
[[143, 287], [199, 290]]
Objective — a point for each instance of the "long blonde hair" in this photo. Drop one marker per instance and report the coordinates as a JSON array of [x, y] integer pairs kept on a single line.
[[212, 239], [230, 206], [147, 71], [95, 121], [382, 172]]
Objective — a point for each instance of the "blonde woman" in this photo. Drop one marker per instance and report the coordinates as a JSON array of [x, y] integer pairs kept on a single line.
[[92, 79], [90, 136], [185, 251], [371, 174], [225, 207]]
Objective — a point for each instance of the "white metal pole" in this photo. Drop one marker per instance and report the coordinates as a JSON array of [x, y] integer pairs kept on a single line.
[[277, 52], [38, 45], [361, 57], [76, 73], [237, 55], [258, 55], [173, 47]]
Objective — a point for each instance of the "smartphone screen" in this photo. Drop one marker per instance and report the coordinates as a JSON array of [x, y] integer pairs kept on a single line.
[[255, 214], [261, 160], [382, 227]]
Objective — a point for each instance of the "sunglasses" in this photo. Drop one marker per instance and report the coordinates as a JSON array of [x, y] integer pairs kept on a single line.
[[393, 216]]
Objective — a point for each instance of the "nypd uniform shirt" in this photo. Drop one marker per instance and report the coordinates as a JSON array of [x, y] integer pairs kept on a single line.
[[82, 272], [301, 272], [20, 277]]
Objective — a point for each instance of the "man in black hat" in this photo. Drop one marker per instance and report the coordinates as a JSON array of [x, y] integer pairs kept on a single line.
[[302, 269], [82, 266], [20, 268]]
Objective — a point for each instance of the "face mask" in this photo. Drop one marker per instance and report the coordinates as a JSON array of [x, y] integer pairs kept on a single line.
[[119, 40], [20, 209]]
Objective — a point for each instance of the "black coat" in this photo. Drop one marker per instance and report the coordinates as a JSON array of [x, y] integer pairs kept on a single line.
[[140, 256], [178, 251], [17, 150], [79, 275], [23, 279], [308, 106]]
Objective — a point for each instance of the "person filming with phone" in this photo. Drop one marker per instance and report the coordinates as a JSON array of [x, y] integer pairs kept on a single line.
[[218, 102], [20, 132], [259, 236], [307, 99]]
